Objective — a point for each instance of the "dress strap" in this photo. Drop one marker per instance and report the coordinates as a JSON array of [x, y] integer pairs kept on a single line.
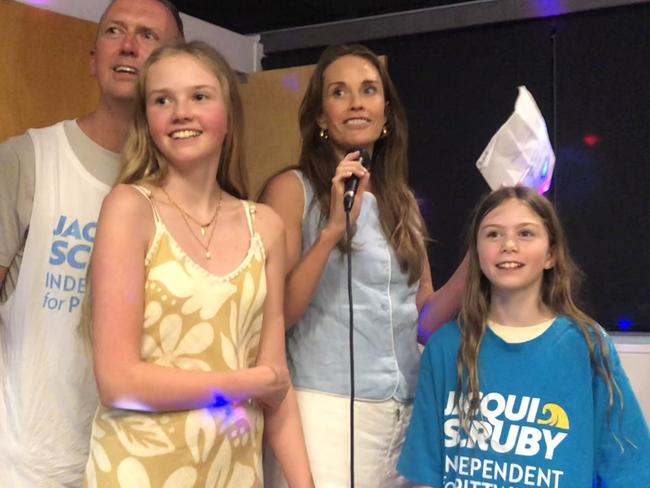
[[250, 210], [146, 192]]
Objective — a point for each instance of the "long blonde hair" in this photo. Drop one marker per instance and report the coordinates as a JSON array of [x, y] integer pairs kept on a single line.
[[400, 218], [558, 289]]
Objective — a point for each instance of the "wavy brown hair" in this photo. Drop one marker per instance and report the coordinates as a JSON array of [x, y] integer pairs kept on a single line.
[[399, 215], [142, 160], [558, 291]]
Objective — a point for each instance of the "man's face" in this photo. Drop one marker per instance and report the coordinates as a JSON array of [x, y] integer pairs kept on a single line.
[[127, 34]]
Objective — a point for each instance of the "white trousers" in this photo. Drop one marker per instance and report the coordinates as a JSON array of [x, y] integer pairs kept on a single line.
[[380, 428]]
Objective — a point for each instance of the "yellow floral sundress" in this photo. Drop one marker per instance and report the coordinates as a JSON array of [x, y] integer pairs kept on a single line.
[[199, 321]]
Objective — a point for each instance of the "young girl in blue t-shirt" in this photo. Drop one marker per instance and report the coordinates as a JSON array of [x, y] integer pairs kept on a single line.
[[524, 389]]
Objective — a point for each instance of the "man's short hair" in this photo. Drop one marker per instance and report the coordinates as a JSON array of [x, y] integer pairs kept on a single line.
[[171, 8]]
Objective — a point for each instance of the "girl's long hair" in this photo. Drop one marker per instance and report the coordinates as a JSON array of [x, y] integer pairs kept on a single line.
[[400, 218], [558, 291]]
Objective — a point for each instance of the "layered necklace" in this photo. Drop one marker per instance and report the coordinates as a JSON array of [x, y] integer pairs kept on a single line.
[[203, 227]]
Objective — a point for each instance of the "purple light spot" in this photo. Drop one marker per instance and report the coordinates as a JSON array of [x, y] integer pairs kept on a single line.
[[291, 82], [548, 8]]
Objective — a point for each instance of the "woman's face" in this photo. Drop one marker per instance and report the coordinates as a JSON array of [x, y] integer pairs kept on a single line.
[[354, 107]]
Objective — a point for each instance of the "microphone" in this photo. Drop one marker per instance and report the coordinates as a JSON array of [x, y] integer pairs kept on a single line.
[[352, 183]]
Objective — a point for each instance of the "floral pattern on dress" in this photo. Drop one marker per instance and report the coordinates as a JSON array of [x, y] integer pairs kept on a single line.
[[175, 348], [224, 473], [203, 292], [245, 325], [193, 320]]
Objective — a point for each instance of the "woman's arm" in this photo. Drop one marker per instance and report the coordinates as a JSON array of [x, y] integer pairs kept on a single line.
[[438, 307], [285, 195], [283, 428], [124, 381], [286, 438]]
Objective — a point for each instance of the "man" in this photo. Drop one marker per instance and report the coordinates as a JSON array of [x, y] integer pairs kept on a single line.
[[53, 182]]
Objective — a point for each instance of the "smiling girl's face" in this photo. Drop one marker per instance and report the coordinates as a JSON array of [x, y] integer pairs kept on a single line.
[[513, 248], [186, 112]]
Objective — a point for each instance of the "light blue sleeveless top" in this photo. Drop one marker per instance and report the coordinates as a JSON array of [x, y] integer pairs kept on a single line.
[[386, 356]]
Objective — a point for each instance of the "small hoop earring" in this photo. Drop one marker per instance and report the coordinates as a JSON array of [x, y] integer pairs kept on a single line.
[[323, 134]]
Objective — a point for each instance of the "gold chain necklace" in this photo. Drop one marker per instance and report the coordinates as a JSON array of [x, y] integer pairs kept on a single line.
[[187, 217]]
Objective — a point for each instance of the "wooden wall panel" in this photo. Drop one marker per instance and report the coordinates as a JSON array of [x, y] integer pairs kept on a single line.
[[271, 101], [45, 70]]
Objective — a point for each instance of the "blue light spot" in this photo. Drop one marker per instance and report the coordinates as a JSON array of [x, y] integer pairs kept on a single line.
[[625, 324], [220, 401], [544, 168]]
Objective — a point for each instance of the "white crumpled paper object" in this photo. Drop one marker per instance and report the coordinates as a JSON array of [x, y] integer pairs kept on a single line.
[[520, 153]]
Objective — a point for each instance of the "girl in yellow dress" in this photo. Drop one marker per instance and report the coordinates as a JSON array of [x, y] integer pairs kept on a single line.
[[187, 292]]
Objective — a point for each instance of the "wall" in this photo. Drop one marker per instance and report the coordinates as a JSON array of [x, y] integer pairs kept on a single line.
[[46, 70], [271, 100], [244, 53]]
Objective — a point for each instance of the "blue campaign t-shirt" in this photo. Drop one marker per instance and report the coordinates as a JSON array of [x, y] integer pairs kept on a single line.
[[545, 420]]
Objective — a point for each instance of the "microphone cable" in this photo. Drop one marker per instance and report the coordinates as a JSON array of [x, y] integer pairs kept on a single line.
[[348, 248], [348, 201]]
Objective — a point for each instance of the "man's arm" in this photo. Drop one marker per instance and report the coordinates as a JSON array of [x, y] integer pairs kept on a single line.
[[16, 199], [3, 273]]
